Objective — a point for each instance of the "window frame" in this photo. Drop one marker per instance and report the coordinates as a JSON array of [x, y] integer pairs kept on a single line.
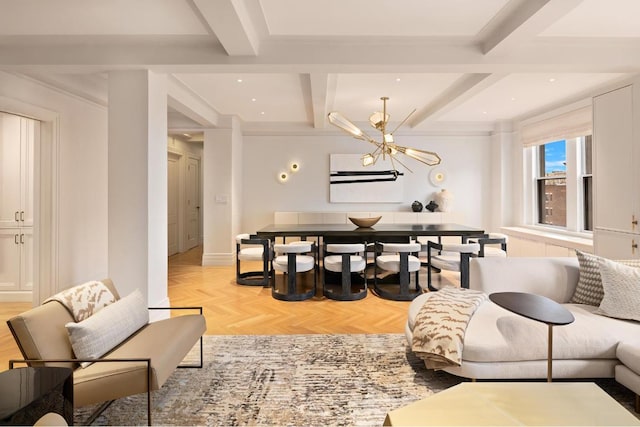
[[575, 176]]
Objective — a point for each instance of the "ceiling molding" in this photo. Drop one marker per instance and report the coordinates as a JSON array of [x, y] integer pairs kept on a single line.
[[231, 23], [185, 101], [323, 93], [459, 92], [520, 21]]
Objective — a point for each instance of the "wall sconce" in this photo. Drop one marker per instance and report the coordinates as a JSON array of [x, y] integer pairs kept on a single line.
[[294, 167], [438, 176], [283, 177]]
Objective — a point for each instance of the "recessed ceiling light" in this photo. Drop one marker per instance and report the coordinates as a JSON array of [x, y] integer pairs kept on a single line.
[[262, 113], [253, 99], [398, 79], [187, 135], [513, 98], [239, 80], [484, 112], [552, 79]]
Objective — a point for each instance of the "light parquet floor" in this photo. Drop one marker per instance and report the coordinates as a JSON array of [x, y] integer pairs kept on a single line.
[[232, 309]]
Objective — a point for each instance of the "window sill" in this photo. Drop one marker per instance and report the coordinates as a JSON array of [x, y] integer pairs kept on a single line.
[[582, 242]]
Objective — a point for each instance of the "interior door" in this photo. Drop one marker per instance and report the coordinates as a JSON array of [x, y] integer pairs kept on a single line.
[[192, 203], [173, 197]]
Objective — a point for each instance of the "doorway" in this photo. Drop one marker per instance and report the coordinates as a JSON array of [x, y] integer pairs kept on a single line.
[[192, 203]]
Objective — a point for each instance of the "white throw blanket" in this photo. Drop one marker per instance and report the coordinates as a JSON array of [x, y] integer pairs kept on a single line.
[[438, 333], [84, 300]]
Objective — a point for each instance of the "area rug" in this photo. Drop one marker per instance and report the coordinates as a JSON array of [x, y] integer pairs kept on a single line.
[[292, 380]]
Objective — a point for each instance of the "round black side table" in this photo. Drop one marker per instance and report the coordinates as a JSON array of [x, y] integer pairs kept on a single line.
[[539, 308], [26, 394]]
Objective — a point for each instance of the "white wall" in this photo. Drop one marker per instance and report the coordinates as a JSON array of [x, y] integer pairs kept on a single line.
[[465, 158], [82, 178]]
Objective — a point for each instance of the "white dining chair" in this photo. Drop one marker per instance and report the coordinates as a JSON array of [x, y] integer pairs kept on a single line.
[[450, 257], [251, 249], [343, 270], [401, 260], [289, 283]]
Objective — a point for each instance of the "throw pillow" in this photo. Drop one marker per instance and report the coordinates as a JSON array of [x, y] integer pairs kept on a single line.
[[98, 334], [621, 290], [589, 288]]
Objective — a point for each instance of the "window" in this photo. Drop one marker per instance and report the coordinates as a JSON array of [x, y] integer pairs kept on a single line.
[[552, 183], [563, 184], [587, 184]]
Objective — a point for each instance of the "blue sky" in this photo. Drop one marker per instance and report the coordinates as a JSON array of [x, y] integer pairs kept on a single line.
[[555, 155]]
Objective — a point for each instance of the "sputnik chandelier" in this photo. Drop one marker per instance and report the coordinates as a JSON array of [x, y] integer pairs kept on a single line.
[[387, 147]]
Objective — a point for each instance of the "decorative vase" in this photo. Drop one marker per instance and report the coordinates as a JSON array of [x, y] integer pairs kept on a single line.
[[432, 206], [444, 199], [416, 206]]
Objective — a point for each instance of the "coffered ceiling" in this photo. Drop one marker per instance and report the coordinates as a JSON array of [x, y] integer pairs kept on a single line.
[[282, 65]]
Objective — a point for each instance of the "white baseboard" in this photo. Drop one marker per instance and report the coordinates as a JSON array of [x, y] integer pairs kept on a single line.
[[213, 259], [16, 296]]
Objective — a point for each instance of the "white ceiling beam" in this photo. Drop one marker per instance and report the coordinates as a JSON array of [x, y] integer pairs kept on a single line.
[[323, 92], [185, 101], [459, 92], [520, 21], [230, 21], [195, 55]]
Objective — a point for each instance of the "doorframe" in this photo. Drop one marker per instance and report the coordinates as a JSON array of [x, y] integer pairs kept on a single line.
[[45, 195], [179, 157], [199, 237]]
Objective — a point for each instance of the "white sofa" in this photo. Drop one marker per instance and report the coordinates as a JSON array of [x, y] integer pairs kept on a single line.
[[501, 345]]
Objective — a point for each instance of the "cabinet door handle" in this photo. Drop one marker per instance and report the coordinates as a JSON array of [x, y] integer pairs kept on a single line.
[[634, 246], [15, 239], [15, 216], [22, 239], [22, 216]]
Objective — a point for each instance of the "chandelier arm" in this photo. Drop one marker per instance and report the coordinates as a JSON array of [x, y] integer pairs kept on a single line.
[[398, 160], [410, 152], [404, 121]]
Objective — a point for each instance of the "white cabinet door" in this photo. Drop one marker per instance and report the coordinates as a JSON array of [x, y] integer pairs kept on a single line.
[[30, 133], [9, 259], [615, 187], [26, 259], [615, 245], [10, 177]]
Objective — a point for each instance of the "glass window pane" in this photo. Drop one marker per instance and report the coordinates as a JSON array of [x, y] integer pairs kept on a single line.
[[587, 155], [554, 158], [552, 201], [587, 186]]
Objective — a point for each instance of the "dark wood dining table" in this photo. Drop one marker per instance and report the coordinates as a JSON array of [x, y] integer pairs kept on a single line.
[[367, 234]]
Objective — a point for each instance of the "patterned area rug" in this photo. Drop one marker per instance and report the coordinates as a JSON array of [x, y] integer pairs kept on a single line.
[[310, 380]]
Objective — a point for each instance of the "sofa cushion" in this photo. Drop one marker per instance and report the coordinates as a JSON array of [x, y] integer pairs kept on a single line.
[[621, 290], [629, 354], [589, 288], [96, 335]]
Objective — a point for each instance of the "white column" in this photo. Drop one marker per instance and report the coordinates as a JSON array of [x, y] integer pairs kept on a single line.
[[500, 208], [222, 186], [138, 183]]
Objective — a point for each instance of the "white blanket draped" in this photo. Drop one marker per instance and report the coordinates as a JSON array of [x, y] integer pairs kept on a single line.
[[438, 334]]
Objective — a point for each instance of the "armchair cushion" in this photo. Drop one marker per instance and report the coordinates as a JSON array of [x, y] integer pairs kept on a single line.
[[98, 334]]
